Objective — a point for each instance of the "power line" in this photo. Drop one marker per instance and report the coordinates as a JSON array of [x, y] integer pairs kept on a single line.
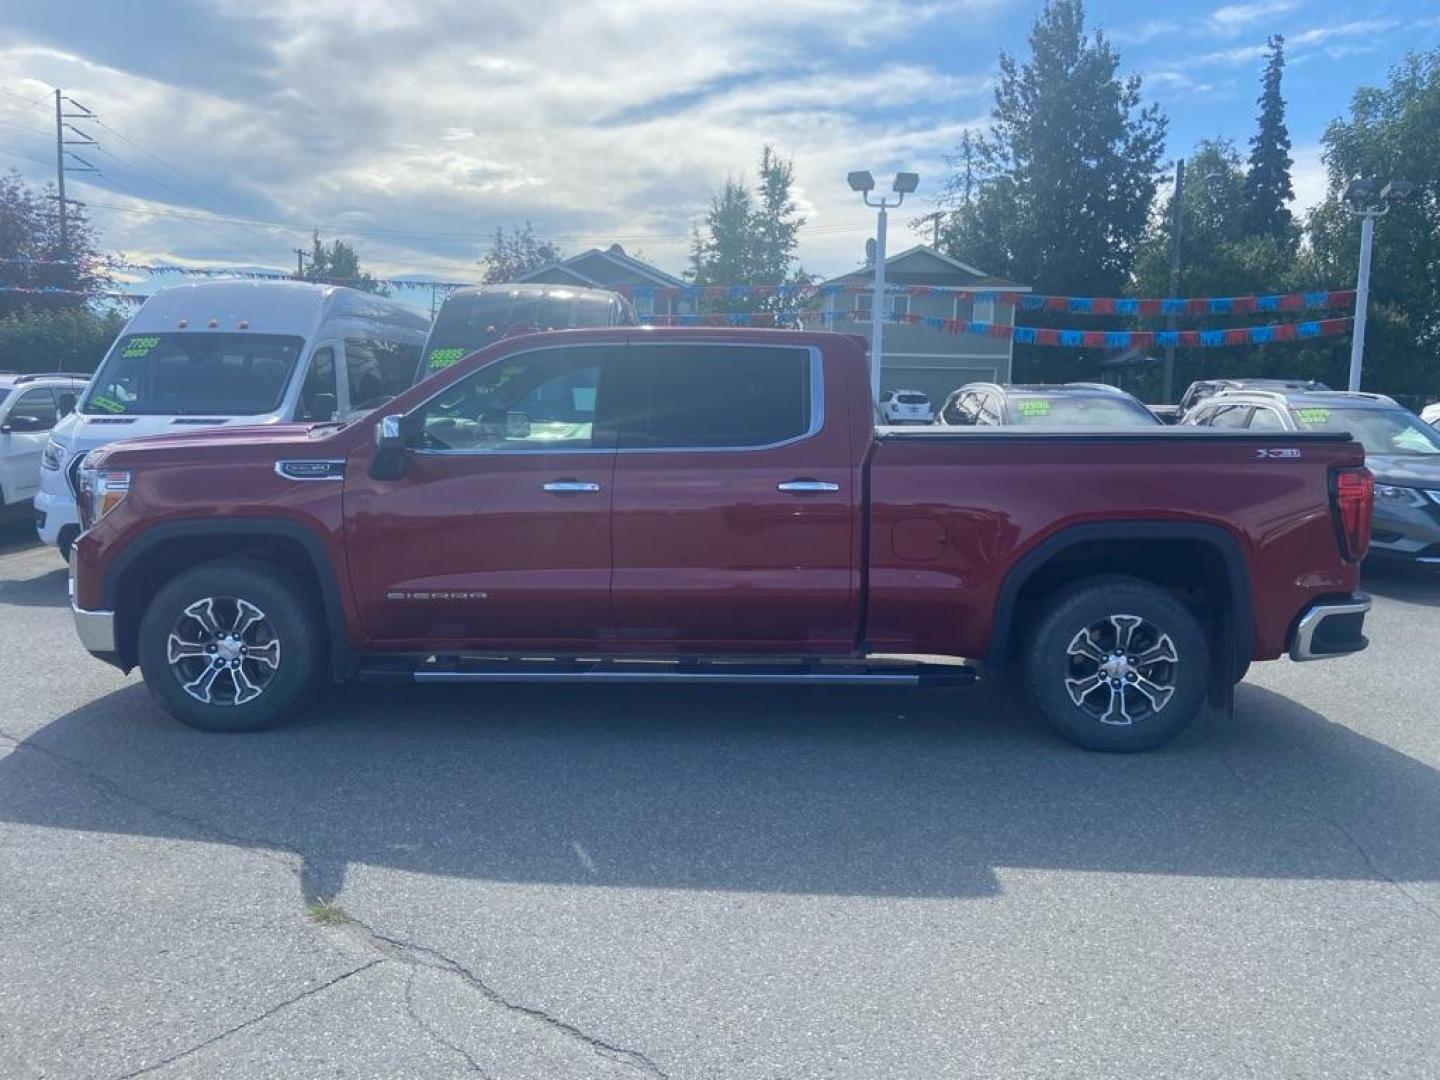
[[27, 157], [21, 97]]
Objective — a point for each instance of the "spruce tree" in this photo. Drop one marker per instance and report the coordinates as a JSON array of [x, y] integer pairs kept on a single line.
[[1267, 184]]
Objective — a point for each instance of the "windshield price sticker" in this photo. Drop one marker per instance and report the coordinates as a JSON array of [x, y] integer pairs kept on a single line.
[[1034, 408], [1312, 416], [100, 401], [443, 358], [139, 346]]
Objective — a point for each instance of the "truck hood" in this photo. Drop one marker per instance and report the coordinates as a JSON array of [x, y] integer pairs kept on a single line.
[[1407, 470], [229, 443], [80, 433]]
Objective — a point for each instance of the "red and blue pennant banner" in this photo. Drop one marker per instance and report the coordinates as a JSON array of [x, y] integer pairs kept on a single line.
[[131, 298], [1034, 335], [1074, 305]]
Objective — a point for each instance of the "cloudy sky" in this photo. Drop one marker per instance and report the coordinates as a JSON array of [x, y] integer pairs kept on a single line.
[[412, 129]]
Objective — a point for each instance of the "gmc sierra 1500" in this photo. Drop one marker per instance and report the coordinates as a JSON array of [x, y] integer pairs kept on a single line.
[[705, 505]]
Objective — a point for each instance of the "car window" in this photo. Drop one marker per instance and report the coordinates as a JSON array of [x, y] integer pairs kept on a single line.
[[1266, 420], [1379, 430], [699, 396], [378, 369], [542, 401], [951, 412], [1079, 410], [37, 407], [320, 379], [987, 409], [1228, 416]]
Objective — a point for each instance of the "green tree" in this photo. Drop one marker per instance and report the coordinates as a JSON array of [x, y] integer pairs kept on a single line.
[[513, 255], [339, 264], [1064, 180], [1267, 183], [750, 237], [1390, 133], [72, 338], [32, 257]]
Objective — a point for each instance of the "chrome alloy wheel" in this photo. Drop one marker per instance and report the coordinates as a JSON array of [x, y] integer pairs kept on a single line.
[[223, 651], [1121, 670]]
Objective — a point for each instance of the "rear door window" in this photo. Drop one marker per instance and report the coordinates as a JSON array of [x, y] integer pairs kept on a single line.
[[1229, 416], [1266, 420], [712, 397]]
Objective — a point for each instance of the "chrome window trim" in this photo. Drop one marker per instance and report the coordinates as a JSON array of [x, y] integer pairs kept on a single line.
[[817, 405]]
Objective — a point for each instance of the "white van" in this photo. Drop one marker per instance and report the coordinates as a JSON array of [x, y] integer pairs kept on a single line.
[[231, 353]]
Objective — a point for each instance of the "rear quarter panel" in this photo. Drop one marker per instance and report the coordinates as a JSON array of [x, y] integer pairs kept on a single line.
[[951, 516]]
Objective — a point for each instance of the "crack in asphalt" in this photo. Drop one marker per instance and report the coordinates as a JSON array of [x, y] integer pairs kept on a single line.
[[1375, 868], [474, 1065], [416, 955], [252, 1021], [390, 948]]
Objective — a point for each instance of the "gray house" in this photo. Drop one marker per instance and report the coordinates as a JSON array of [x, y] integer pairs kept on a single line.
[[919, 357], [611, 268]]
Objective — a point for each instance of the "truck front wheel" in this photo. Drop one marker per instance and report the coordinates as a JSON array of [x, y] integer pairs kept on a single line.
[[230, 646], [1118, 665]]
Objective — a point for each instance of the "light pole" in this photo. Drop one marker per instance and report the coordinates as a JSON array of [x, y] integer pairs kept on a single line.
[[1167, 392], [1360, 200], [864, 183]]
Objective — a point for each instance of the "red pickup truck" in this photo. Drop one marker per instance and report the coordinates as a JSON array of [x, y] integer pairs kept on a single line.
[[698, 505]]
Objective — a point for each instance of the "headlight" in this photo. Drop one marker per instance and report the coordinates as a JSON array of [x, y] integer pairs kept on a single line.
[[101, 490], [1399, 496], [52, 456]]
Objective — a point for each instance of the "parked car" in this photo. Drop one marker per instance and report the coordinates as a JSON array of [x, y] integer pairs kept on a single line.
[[720, 507], [906, 407], [1202, 389], [1401, 450], [231, 354], [30, 407], [1088, 405], [1431, 414], [472, 318]]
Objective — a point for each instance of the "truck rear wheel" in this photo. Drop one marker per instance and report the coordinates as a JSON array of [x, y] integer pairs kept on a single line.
[[1117, 664], [230, 646]]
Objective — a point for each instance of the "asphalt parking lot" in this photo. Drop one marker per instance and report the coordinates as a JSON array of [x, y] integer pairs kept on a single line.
[[628, 882]]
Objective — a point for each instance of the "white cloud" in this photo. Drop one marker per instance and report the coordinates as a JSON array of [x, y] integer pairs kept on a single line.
[[1234, 18], [420, 127], [1308, 177]]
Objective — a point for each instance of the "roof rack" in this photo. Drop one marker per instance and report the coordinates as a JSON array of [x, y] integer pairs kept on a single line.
[[1286, 395], [1095, 386], [36, 376]]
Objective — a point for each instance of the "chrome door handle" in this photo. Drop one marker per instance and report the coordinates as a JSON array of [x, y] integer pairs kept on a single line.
[[569, 487], [806, 486]]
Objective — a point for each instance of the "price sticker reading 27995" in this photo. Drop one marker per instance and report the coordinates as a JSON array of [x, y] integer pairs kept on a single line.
[[139, 346]]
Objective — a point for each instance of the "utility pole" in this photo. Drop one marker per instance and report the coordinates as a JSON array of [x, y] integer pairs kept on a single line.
[[62, 165], [1167, 393], [1360, 200], [300, 254]]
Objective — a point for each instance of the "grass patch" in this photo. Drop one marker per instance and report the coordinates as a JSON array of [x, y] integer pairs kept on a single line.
[[327, 913]]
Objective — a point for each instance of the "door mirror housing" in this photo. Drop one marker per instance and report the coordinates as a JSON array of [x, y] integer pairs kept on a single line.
[[391, 441], [22, 423]]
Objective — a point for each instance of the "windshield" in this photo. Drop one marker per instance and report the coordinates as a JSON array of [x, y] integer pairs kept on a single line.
[[1380, 431], [195, 373], [468, 323], [1067, 411]]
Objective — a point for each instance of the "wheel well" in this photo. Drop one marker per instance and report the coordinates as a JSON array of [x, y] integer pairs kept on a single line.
[[1195, 571], [162, 561]]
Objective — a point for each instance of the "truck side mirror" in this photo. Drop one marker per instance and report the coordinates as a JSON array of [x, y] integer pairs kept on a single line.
[[390, 445], [323, 408]]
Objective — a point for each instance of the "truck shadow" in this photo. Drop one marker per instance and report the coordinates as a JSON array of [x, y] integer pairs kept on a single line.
[[1408, 584], [908, 793]]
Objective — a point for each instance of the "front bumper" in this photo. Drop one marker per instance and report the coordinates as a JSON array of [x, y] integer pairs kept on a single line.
[[1407, 532], [96, 629], [1330, 628], [60, 514]]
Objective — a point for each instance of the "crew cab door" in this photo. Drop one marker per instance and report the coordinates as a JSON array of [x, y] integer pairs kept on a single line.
[[497, 535], [734, 502]]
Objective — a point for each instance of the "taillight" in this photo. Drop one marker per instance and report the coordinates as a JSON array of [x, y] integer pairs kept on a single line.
[[1353, 500]]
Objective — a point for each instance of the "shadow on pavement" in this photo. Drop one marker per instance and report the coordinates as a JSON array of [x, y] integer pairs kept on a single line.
[[1408, 583], [17, 531], [43, 590], [874, 792]]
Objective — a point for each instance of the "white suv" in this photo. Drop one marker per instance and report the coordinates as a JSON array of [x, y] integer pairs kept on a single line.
[[30, 406], [906, 407]]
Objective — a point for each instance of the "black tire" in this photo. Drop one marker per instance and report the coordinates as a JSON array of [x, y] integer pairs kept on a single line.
[[289, 630], [1088, 620]]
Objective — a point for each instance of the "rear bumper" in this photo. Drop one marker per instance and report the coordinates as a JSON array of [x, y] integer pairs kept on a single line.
[[96, 629], [1331, 628]]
